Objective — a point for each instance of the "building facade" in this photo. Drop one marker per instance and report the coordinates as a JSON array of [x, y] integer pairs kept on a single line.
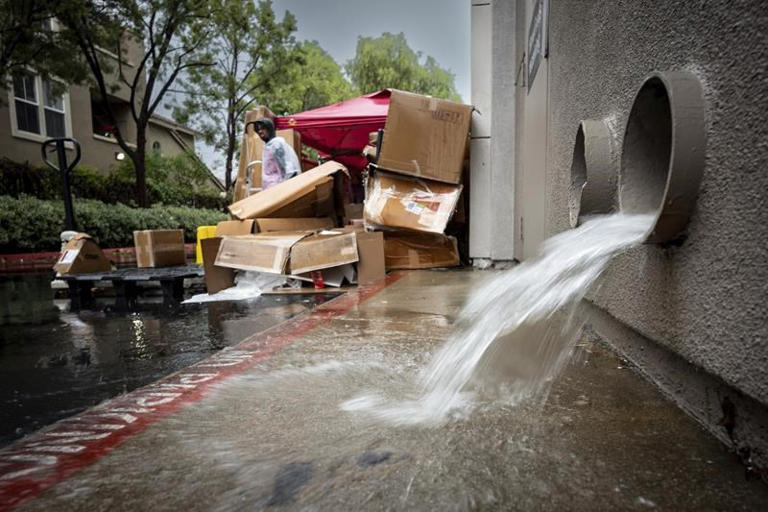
[[690, 312], [34, 109]]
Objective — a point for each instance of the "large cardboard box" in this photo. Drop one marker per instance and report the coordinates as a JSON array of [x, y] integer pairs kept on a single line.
[[325, 249], [299, 224], [413, 250], [81, 255], [265, 252], [216, 278], [410, 203], [310, 194], [425, 137], [159, 248]]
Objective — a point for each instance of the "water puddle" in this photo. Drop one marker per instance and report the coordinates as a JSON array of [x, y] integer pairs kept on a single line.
[[516, 331]]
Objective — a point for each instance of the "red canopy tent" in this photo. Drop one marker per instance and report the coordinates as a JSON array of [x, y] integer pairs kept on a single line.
[[340, 131]]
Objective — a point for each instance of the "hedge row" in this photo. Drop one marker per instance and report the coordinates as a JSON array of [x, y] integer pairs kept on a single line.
[[28, 224], [170, 180]]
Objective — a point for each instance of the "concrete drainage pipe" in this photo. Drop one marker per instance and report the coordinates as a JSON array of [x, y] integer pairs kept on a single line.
[[593, 174], [662, 158]]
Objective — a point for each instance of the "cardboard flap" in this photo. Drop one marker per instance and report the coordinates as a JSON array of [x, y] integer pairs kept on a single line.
[[268, 201], [262, 253], [234, 227], [298, 224], [324, 250], [216, 278]]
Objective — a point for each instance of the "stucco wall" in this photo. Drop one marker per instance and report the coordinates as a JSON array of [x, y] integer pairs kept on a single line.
[[705, 298]]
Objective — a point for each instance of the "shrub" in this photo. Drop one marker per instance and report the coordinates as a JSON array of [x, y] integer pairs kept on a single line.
[[175, 180], [28, 224]]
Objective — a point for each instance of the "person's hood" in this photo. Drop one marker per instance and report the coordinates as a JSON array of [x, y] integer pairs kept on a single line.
[[269, 125]]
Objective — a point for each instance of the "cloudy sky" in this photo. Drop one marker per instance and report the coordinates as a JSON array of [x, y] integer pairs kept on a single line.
[[439, 28]]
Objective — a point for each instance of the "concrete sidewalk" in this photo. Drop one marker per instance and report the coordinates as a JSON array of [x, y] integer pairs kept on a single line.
[[259, 426]]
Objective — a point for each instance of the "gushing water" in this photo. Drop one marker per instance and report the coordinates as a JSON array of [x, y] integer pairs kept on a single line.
[[517, 330]]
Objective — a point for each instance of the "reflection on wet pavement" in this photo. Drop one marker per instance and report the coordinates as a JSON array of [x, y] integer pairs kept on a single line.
[[56, 369]]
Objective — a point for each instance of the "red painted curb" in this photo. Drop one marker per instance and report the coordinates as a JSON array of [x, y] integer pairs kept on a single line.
[[43, 459]]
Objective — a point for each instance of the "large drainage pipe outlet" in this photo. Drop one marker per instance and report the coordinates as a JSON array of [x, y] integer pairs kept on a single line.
[[662, 158], [593, 174]]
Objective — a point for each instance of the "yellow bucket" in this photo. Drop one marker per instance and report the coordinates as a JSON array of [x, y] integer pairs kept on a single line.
[[203, 232]]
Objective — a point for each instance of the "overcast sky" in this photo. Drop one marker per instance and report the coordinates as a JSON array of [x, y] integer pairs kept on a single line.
[[439, 28]]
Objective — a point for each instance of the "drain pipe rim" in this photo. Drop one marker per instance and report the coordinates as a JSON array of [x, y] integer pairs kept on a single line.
[[687, 153]]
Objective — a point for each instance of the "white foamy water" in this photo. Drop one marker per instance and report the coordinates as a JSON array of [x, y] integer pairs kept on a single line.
[[516, 330]]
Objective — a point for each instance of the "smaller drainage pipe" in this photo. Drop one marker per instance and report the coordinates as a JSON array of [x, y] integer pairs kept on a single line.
[[663, 153], [593, 174]]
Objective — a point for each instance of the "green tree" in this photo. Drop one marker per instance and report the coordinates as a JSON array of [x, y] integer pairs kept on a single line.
[[29, 38], [388, 61], [251, 50], [168, 33], [314, 80]]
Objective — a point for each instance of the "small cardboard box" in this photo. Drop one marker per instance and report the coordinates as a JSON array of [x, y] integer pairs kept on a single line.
[[81, 255], [370, 251], [310, 194], [159, 248], [299, 224], [325, 249], [404, 202], [234, 227], [264, 252], [216, 278], [413, 250], [425, 137]]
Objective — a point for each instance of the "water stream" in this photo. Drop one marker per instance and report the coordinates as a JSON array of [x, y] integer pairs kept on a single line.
[[516, 331]]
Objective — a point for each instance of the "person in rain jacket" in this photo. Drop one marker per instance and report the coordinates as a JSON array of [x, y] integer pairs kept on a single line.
[[278, 160]]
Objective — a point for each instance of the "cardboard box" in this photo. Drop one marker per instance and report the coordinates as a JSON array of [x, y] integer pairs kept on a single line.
[[159, 248], [235, 227], [370, 251], [404, 202], [265, 252], [413, 250], [352, 211], [216, 278], [300, 224], [425, 137], [325, 249], [310, 194], [81, 255]]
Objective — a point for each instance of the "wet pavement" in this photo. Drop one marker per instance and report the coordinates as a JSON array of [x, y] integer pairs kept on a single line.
[[55, 369], [269, 433]]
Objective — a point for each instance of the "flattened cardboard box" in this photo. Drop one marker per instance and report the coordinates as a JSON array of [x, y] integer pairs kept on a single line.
[[263, 252], [425, 137], [159, 248], [412, 250], [404, 202], [299, 224], [216, 278], [305, 195], [325, 249], [81, 255]]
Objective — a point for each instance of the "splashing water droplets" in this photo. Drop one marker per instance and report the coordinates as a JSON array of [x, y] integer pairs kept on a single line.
[[516, 331]]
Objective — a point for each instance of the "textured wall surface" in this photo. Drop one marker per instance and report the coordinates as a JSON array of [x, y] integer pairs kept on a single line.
[[705, 297]]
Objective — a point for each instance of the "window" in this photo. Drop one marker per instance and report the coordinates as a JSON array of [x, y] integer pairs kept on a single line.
[[39, 110]]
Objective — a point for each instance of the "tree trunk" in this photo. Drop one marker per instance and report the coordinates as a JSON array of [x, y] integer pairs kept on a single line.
[[228, 164], [140, 166]]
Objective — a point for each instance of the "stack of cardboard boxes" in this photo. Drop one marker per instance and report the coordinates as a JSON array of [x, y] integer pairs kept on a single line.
[[414, 185], [304, 227], [292, 229]]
